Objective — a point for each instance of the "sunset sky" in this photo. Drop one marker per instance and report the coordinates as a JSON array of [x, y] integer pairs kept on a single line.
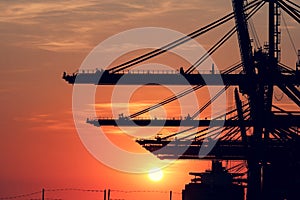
[[39, 145]]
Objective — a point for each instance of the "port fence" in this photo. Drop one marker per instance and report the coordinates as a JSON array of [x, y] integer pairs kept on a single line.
[[105, 194]]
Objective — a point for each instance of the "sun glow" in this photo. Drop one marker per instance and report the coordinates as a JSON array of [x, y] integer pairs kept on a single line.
[[155, 174]]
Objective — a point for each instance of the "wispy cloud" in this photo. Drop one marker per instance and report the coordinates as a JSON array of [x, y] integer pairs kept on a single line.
[[47, 121], [61, 26], [18, 70], [63, 45], [25, 12], [121, 105], [49, 25]]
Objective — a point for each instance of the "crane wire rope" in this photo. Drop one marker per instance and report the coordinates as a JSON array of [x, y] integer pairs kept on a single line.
[[177, 96], [293, 3], [204, 129], [293, 12], [221, 41], [254, 33], [179, 41], [289, 35], [193, 67]]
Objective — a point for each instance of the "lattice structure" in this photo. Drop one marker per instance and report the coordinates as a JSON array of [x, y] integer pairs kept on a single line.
[[256, 131]]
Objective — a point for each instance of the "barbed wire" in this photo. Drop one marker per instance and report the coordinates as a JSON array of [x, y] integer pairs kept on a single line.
[[20, 195], [139, 191], [46, 199], [73, 189], [144, 191], [84, 190], [116, 199]]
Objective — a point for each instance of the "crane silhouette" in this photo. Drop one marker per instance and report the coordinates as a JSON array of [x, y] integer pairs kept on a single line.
[[257, 131]]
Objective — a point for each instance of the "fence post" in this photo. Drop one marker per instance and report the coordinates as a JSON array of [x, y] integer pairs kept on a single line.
[[43, 194], [108, 194], [105, 194], [171, 195]]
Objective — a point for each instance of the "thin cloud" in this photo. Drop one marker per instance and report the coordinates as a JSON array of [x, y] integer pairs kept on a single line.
[[42, 121], [18, 70], [22, 12], [121, 105], [63, 46], [72, 26]]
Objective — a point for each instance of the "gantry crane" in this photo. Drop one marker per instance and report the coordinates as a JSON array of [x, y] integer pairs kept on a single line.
[[258, 132]]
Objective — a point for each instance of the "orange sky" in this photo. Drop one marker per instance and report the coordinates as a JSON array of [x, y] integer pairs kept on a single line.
[[39, 145]]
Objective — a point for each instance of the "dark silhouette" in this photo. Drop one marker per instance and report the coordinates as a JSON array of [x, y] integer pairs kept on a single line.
[[214, 185], [258, 132]]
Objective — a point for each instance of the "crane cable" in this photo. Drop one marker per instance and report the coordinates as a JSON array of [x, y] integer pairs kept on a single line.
[[223, 88], [293, 12], [230, 130], [218, 128], [210, 102], [293, 3], [289, 34], [211, 51], [232, 68], [193, 67], [179, 41], [181, 94], [167, 100], [204, 129], [171, 45], [285, 68], [254, 33], [221, 41], [293, 9]]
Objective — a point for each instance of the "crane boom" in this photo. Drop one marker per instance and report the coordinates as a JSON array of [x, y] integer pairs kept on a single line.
[[243, 37]]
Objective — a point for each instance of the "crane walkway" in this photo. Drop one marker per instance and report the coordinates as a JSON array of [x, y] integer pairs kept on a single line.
[[276, 122], [172, 78]]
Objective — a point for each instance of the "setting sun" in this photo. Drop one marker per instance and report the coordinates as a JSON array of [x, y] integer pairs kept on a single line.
[[155, 174]]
